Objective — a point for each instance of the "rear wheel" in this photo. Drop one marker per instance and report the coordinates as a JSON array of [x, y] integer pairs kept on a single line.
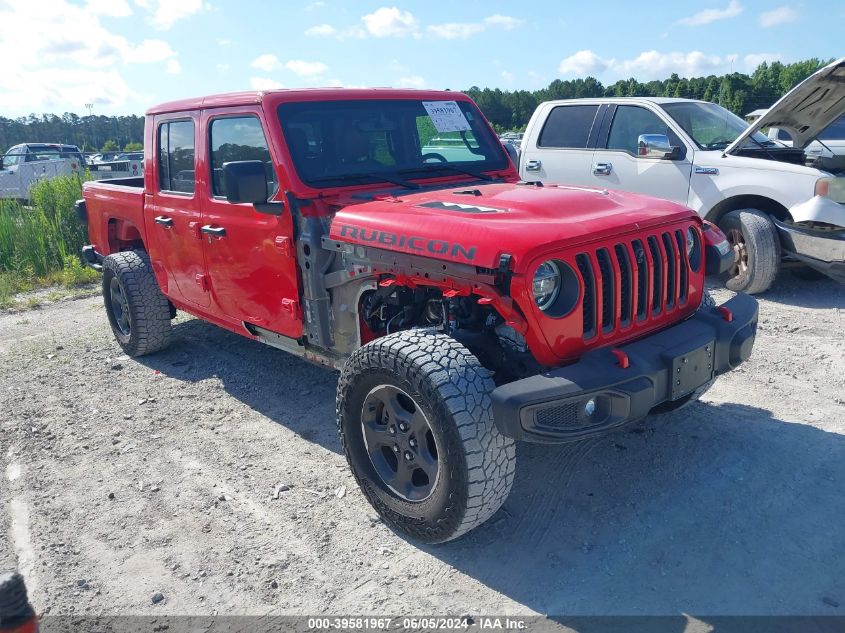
[[138, 312], [415, 420], [756, 246]]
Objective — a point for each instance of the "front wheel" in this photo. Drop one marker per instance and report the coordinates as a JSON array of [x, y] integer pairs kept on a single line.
[[756, 246], [416, 424]]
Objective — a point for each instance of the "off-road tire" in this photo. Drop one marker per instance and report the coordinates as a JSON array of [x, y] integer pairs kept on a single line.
[[707, 303], [762, 245], [476, 463], [148, 309]]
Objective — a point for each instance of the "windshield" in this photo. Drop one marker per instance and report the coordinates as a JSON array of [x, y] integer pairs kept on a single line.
[[336, 143], [711, 126]]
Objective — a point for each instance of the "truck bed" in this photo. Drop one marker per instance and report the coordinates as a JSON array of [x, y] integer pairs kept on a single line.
[[119, 201]]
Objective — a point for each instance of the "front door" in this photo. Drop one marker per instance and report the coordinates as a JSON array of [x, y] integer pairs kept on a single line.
[[172, 212], [561, 152], [251, 256], [616, 164]]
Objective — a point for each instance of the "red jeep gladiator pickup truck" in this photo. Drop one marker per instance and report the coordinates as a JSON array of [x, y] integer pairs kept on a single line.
[[386, 234]]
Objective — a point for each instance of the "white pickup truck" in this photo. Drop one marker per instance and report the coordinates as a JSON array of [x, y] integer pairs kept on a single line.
[[760, 192], [25, 164]]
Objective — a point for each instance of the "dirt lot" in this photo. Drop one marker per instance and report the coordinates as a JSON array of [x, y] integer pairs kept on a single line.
[[125, 478]]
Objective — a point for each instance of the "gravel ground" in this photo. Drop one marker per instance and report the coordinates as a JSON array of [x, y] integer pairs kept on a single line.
[[211, 474]]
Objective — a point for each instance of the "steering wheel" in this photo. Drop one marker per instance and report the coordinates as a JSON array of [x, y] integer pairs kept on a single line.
[[435, 155]]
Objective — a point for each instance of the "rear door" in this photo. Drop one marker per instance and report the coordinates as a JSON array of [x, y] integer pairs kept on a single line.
[[562, 150], [172, 210], [617, 165], [251, 256]]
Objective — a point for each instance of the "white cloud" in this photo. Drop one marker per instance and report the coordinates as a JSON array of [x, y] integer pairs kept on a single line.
[[390, 22], [413, 81], [584, 62], [393, 22], [306, 69], [464, 30], [150, 51], [224, 42], [505, 21], [61, 90], [109, 8], [455, 30], [781, 15], [264, 83], [321, 30], [508, 76], [752, 60], [71, 57], [314, 5], [173, 67], [165, 13], [223, 68], [657, 65], [267, 62], [707, 16]]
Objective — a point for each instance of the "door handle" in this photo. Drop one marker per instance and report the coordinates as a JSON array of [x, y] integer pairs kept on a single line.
[[216, 231], [164, 221], [533, 165], [602, 169]]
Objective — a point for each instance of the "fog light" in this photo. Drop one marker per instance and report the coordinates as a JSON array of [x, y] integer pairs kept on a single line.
[[590, 407]]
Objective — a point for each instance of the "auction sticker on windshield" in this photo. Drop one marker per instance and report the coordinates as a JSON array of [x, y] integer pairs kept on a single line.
[[446, 116]]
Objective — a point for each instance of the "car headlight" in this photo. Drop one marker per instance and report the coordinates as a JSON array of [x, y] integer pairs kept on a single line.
[[546, 285], [833, 188]]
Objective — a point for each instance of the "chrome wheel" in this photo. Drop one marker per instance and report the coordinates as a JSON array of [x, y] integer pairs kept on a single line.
[[737, 242], [119, 307], [400, 443]]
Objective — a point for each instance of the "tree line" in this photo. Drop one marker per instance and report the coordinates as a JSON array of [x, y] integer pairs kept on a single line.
[[506, 109]]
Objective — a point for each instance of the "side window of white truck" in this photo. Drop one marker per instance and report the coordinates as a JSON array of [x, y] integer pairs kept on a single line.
[[568, 127], [630, 122]]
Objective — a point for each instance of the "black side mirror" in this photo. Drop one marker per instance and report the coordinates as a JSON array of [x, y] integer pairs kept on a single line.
[[510, 150], [245, 181]]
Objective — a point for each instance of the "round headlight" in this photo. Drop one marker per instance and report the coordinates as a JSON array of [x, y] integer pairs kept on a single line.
[[546, 285], [690, 241]]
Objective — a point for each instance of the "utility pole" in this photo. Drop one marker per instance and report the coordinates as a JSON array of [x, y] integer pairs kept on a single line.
[[90, 108]]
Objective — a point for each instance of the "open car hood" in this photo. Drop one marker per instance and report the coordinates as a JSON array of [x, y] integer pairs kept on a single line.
[[805, 110]]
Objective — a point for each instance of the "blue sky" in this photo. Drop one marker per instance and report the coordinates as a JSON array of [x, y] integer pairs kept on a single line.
[[124, 55]]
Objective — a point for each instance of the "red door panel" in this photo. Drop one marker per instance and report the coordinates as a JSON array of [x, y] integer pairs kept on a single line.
[[252, 267], [173, 217]]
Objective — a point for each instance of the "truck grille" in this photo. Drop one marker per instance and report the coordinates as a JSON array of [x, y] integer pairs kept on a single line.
[[633, 281]]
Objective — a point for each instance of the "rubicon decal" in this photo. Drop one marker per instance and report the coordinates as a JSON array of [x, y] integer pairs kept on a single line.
[[409, 243]]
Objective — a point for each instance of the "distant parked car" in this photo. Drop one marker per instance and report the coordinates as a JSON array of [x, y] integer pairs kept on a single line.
[[25, 164]]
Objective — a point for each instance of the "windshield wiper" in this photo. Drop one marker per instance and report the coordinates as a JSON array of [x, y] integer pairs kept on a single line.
[[444, 167], [366, 175]]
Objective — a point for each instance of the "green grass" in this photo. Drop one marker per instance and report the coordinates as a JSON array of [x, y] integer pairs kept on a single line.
[[40, 243]]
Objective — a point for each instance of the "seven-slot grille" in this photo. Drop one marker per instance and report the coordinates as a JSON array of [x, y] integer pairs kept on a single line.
[[631, 282]]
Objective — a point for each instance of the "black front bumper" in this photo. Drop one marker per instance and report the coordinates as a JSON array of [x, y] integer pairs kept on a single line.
[[664, 367], [823, 250]]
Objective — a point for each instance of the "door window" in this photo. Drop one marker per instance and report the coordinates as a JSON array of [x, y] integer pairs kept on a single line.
[[235, 139], [568, 127], [631, 121], [176, 156]]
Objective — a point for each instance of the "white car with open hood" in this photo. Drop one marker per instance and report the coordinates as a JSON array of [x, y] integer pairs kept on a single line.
[[773, 207]]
